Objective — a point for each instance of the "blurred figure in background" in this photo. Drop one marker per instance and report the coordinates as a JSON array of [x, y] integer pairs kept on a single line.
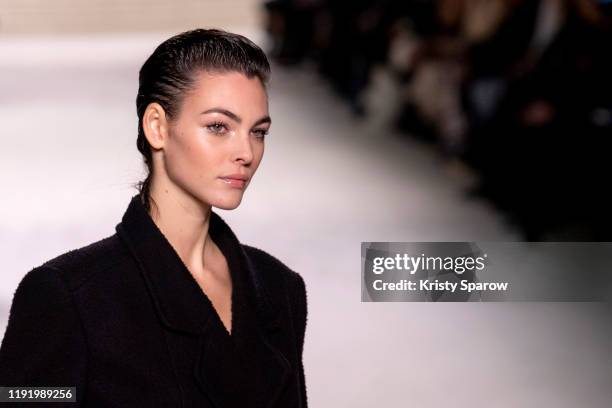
[[345, 38], [532, 140], [517, 90]]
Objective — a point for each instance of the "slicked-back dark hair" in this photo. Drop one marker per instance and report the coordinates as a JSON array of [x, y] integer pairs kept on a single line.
[[171, 70]]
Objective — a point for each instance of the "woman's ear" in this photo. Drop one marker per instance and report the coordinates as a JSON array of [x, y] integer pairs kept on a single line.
[[155, 125]]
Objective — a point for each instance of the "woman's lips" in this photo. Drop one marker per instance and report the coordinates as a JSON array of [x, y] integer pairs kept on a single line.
[[232, 182]]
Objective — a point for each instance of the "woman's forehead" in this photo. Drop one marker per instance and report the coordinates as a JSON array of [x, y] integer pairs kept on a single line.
[[233, 91]]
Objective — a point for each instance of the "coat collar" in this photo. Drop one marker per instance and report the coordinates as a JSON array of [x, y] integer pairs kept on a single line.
[[249, 365], [179, 300]]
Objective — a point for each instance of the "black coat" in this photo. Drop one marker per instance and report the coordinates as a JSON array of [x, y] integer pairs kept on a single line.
[[124, 321]]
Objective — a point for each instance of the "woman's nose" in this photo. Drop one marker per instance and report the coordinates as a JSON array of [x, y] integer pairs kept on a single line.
[[243, 147]]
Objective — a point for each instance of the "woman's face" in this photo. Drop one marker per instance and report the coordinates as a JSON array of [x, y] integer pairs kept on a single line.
[[218, 135]]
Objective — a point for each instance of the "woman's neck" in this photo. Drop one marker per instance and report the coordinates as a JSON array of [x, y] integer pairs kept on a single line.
[[183, 220]]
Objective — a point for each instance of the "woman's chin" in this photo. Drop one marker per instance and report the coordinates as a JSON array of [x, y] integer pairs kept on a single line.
[[227, 203]]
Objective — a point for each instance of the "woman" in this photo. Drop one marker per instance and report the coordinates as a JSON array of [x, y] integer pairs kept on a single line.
[[171, 310]]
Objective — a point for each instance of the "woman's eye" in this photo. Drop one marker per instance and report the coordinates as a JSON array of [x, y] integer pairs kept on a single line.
[[261, 133], [217, 127]]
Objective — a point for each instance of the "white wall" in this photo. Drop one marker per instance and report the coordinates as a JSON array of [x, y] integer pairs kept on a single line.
[[69, 16]]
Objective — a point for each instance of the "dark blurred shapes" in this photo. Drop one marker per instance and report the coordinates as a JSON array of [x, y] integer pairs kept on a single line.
[[519, 90]]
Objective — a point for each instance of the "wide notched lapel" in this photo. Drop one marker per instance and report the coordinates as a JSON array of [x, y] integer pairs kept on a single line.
[[246, 368]]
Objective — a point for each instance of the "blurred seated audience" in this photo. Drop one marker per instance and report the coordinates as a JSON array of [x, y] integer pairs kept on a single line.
[[518, 90]]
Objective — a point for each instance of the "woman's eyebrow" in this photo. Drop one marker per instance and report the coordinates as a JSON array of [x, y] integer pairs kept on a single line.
[[233, 116]]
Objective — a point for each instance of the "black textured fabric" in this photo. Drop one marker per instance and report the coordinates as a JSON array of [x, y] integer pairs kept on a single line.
[[124, 321]]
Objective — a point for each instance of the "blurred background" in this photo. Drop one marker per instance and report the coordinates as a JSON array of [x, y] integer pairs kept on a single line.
[[414, 120]]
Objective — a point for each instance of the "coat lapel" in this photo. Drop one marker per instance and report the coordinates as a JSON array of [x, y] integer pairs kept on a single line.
[[244, 369], [177, 297]]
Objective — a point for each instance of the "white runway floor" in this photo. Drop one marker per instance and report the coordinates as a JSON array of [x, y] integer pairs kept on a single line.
[[327, 182]]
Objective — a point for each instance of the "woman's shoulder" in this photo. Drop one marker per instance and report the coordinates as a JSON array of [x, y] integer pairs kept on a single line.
[[46, 292], [270, 265], [274, 271], [77, 265]]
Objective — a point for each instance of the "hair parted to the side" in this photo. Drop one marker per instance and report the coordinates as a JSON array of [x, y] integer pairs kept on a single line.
[[171, 70]]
